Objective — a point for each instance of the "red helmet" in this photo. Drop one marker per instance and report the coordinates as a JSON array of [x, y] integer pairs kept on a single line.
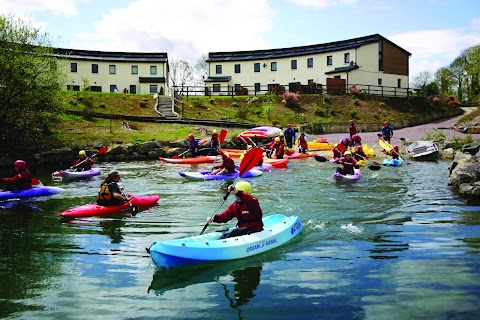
[[344, 140], [351, 121], [190, 136], [386, 123], [359, 148], [395, 148], [20, 164], [289, 125], [355, 137]]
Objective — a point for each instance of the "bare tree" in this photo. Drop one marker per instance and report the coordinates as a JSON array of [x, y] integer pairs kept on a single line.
[[180, 75], [422, 79], [201, 70]]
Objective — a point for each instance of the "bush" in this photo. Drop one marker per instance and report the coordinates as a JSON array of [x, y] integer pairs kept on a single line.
[[353, 114], [355, 90], [235, 104], [242, 113], [290, 99]]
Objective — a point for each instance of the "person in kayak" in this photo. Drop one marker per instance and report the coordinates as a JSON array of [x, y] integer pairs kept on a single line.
[[352, 128], [214, 143], [245, 208], [289, 135], [394, 153], [110, 193], [21, 180], [269, 148], [340, 148], [359, 154], [278, 149], [227, 166], [83, 162], [193, 145], [348, 164], [302, 143], [387, 132], [355, 141]]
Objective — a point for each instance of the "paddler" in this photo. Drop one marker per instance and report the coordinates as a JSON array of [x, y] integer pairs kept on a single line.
[[245, 208], [83, 162], [193, 145], [21, 180], [278, 149], [348, 164], [302, 143], [227, 166], [110, 191], [214, 143]]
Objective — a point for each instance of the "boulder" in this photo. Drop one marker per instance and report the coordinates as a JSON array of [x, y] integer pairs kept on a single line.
[[465, 174], [448, 153]]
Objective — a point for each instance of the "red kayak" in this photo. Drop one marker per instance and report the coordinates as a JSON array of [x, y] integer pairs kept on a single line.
[[202, 159], [298, 155], [278, 163], [94, 210]]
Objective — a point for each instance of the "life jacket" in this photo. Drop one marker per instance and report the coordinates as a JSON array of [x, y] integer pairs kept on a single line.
[[228, 164], [215, 140], [353, 129], [247, 219], [303, 142], [279, 150], [105, 196]]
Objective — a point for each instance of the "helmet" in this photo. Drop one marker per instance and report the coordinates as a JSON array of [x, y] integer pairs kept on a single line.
[[277, 139], [359, 148], [190, 136], [249, 147], [355, 137], [347, 152], [82, 153], [351, 121], [344, 140], [395, 148], [281, 134], [244, 186], [289, 125], [20, 164], [214, 131], [385, 123]]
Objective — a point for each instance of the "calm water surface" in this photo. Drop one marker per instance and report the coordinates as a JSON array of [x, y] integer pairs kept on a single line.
[[398, 244]]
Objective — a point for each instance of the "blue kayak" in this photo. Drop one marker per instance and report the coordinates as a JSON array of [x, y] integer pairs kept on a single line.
[[35, 191], [205, 175], [277, 230], [393, 162]]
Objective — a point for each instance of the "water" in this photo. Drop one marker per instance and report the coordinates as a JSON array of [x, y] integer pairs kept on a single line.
[[399, 244]]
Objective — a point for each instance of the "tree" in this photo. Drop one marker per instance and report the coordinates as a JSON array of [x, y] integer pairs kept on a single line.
[[422, 79], [445, 81], [459, 74], [180, 75], [29, 81], [201, 70]]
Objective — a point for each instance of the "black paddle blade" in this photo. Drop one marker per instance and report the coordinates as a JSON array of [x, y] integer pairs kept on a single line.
[[374, 168], [134, 209], [320, 158]]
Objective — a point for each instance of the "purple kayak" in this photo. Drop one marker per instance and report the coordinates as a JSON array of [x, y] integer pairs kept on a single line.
[[357, 174], [67, 174]]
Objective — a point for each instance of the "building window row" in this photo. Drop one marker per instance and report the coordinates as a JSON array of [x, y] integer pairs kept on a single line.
[[112, 69]]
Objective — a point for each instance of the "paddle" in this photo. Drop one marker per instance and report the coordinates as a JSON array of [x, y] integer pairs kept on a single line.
[[374, 168], [320, 158], [133, 207], [251, 158], [102, 150]]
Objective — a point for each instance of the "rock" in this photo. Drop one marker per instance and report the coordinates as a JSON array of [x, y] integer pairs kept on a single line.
[[465, 174], [148, 146], [471, 148], [470, 190], [448, 153], [179, 143]]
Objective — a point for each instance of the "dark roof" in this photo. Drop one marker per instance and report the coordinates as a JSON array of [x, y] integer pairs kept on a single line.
[[297, 51], [342, 69], [112, 56], [218, 79], [151, 79]]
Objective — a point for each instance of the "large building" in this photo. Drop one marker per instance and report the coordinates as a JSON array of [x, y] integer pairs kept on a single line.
[[371, 63], [103, 71]]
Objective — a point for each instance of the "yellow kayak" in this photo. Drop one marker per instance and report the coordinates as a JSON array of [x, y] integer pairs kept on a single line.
[[318, 146]]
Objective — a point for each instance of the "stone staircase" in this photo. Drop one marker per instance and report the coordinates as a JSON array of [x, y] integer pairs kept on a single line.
[[164, 108]]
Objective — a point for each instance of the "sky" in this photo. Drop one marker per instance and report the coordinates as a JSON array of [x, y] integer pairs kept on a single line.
[[435, 32]]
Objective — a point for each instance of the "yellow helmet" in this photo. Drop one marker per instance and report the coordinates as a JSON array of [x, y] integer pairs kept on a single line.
[[347, 152], [82, 153], [277, 139], [281, 134], [214, 131], [244, 186]]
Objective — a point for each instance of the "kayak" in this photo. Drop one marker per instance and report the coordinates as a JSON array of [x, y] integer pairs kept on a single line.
[[235, 153], [393, 162], [278, 230], [264, 167], [362, 163], [262, 132], [277, 163], [76, 174], [298, 155], [205, 175], [94, 210], [319, 146], [201, 159], [35, 191], [357, 174]]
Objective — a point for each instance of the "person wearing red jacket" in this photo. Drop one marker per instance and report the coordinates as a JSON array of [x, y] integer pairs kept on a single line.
[[352, 128], [245, 208], [348, 164], [214, 143], [278, 149], [83, 162], [227, 166], [22, 179], [302, 143]]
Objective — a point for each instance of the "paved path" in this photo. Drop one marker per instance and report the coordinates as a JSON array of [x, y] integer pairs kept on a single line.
[[410, 133]]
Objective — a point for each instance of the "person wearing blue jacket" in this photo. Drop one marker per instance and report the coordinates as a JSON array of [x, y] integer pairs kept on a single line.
[[289, 136], [387, 132], [193, 145]]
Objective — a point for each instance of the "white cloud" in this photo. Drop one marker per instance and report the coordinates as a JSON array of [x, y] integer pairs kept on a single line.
[[66, 8], [321, 4], [475, 23], [433, 49], [184, 29]]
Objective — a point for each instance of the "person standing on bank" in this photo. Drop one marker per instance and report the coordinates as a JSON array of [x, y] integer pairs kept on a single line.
[[245, 208], [110, 192], [289, 136], [302, 143], [387, 132], [352, 128]]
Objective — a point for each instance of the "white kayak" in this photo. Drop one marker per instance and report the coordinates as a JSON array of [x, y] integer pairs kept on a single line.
[[277, 230], [357, 174]]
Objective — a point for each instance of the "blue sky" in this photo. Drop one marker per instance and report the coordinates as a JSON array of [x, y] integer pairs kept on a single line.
[[434, 31]]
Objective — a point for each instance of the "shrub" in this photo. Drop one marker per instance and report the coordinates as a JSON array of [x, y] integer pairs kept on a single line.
[[327, 100], [453, 102], [290, 99], [353, 114], [252, 100], [355, 90], [356, 102], [212, 101], [436, 101], [242, 113], [235, 104]]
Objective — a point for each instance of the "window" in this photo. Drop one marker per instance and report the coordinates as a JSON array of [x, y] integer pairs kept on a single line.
[[96, 88], [73, 87], [133, 89], [294, 64], [346, 57], [274, 66], [237, 68], [329, 60], [399, 83], [153, 69], [113, 88], [256, 67], [310, 63], [218, 69], [216, 88], [153, 88], [379, 81], [134, 69], [73, 67], [112, 69], [94, 68], [237, 87], [257, 87]]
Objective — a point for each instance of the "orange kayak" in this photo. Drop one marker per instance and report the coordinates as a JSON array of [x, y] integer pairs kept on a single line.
[[204, 159]]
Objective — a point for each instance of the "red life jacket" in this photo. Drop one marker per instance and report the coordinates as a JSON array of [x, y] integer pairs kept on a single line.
[[248, 219], [302, 141]]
